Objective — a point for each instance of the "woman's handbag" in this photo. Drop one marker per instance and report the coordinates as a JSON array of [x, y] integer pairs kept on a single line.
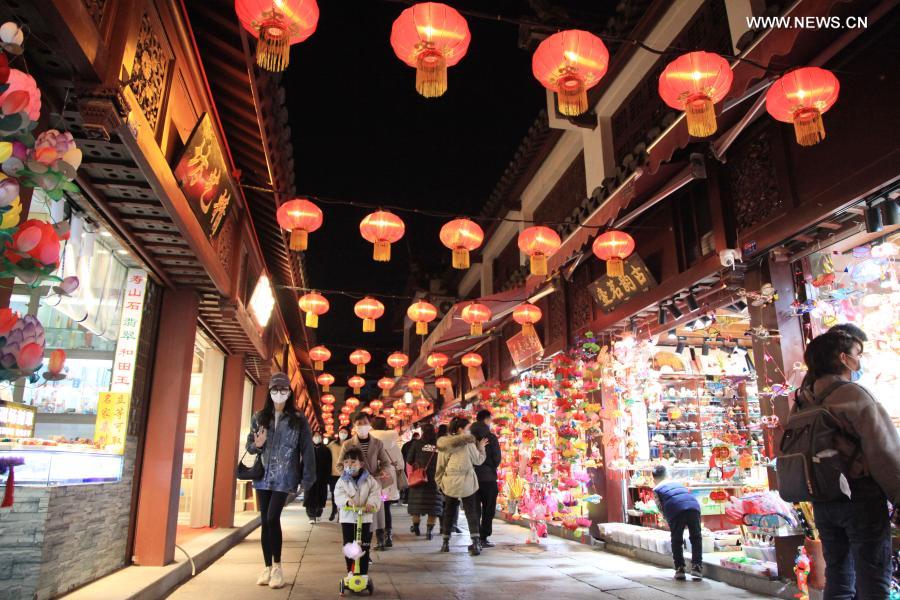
[[417, 476], [255, 472]]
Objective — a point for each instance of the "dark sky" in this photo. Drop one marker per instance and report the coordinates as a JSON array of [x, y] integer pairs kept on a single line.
[[361, 132]]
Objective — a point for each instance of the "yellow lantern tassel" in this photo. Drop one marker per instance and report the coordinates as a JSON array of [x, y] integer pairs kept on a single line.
[[615, 267], [326, 388], [312, 320], [382, 251], [460, 258], [360, 369], [273, 50], [318, 365], [808, 127], [431, 74], [368, 325], [527, 329], [572, 97], [421, 328], [356, 390], [299, 240], [701, 116], [476, 329], [539, 265], [398, 371], [473, 372], [438, 371]]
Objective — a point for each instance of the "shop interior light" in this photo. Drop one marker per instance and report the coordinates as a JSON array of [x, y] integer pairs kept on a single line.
[[692, 301], [408, 397], [662, 314], [673, 308], [262, 301]]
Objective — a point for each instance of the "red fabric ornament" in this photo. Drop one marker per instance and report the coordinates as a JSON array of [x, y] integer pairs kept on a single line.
[[694, 82], [278, 24], [422, 313], [801, 97], [570, 63]]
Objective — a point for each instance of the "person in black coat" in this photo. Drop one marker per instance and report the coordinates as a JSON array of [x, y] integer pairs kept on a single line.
[[404, 449], [314, 498], [424, 499], [487, 474]]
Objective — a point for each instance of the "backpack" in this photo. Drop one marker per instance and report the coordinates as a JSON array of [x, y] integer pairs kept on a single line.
[[810, 468]]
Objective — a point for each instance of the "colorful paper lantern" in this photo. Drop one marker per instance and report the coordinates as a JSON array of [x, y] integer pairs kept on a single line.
[[357, 383], [614, 247], [313, 305], [423, 404], [346, 409], [382, 228], [473, 362], [443, 383], [801, 97], [360, 358], [366, 410], [277, 24], [325, 380], [328, 399], [695, 82], [415, 385], [352, 402], [527, 315], [376, 404], [398, 360], [437, 361], [385, 384], [430, 37], [300, 217], [368, 309], [319, 355], [327, 408], [422, 313], [461, 236], [539, 243], [570, 63], [476, 315]]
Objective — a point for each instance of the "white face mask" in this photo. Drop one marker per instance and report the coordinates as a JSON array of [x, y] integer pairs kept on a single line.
[[342, 435], [317, 439], [279, 397], [363, 429]]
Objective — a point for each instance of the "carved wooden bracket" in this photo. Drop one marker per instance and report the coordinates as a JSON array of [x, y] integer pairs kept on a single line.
[[102, 110]]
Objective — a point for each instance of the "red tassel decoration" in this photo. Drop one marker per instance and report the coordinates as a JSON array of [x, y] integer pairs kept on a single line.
[[10, 487]]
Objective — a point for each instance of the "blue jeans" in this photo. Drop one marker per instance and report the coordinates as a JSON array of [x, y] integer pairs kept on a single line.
[[856, 542]]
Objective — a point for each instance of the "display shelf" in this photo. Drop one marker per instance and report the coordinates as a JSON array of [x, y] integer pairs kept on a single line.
[[61, 466]]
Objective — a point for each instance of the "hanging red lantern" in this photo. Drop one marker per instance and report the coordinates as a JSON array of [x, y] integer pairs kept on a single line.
[[366, 410], [570, 63], [360, 358], [476, 315], [319, 355], [430, 37], [277, 24], [539, 243], [461, 236], [352, 402], [385, 383], [695, 82], [422, 313], [313, 304], [300, 217], [527, 315], [423, 404], [376, 404], [382, 228], [614, 247], [327, 408], [346, 409], [398, 360], [357, 383], [368, 309], [325, 380], [801, 97], [473, 362], [443, 383], [415, 385], [437, 361], [328, 399]]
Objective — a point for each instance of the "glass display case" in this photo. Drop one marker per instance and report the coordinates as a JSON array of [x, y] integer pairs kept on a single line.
[[47, 466]]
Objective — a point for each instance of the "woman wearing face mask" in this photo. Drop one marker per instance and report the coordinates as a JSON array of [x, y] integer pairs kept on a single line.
[[337, 469], [282, 436], [855, 531], [314, 499]]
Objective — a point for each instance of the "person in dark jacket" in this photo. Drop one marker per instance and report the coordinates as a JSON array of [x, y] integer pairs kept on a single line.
[[314, 498], [404, 493], [424, 499], [487, 474], [282, 436], [680, 508]]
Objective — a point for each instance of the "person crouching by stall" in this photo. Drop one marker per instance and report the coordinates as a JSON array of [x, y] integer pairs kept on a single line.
[[282, 436], [458, 454], [314, 499], [357, 488]]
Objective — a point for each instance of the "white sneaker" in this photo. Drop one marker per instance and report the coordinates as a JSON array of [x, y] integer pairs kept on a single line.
[[277, 579], [312, 521], [263, 578]]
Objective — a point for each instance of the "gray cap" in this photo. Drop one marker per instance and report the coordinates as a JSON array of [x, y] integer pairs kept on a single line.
[[279, 380]]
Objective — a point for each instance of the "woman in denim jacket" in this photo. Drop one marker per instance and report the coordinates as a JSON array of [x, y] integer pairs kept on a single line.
[[282, 436]]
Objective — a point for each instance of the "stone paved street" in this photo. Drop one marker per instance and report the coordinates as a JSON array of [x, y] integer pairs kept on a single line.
[[414, 569]]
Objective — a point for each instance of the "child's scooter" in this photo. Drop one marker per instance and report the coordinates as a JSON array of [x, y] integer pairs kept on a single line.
[[357, 582]]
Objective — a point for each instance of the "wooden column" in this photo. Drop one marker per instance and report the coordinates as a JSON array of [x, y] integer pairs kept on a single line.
[[230, 443], [157, 510]]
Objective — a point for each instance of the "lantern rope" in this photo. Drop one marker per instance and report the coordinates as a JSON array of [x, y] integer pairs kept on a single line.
[[361, 295]]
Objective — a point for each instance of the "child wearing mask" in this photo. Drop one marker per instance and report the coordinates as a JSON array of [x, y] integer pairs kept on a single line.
[[357, 488]]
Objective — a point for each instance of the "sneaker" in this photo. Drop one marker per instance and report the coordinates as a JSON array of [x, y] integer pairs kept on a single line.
[[312, 521], [277, 579], [697, 572], [679, 574], [263, 578]]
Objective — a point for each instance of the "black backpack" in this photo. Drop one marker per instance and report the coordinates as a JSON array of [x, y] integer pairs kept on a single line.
[[810, 467]]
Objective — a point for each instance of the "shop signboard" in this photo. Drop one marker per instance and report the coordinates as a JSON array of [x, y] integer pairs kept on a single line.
[[205, 179], [16, 420], [525, 348], [111, 426], [129, 330], [610, 292]]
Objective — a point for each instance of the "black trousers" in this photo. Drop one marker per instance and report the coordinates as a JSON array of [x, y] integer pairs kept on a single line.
[[349, 532], [487, 500], [270, 506], [332, 481], [691, 519], [470, 505], [388, 519], [314, 498]]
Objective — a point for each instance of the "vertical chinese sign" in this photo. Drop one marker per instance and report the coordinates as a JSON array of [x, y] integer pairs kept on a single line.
[[113, 406]]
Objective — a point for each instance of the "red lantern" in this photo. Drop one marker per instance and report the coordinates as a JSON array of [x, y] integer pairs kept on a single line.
[[801, 97], [415, 385], [382, 229], [360, 358], [461, 236], [366, 410], [443, 383], [329, 420], [430, 37], [328, 399], [368, 309], [539, 243], [527, 315], [398, 360], [352, 402], [694, 82], [325, 380], [422, 313], [570, 63], [346, 409], [344, 419], [473, 361], [423, 404], [614, 247], [399, 405], [313, 304], [278, 24], [319, 355], [385, 383], [376, 404], [356, 382], [476, 315], [327, 408], [300, 217], [436, 361]]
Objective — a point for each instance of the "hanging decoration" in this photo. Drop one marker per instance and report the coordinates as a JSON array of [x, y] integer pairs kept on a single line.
[[278, 24], [319, 355], [368, 309], [55, 365], [360, 358], [376, 404], [352, 402], [313, 305], [327, 408], [422, 313], [539, 243], [570, 63], [382, 228], [301, 217], [444, 383], [423, 404], [801, 97], [430, 36], [437, 361], [527, 315], [473, 361], [415, 385], [346, 409], [398, 360], [32, 253], [695, 82], [357, 383], [325, 380], [21, 346], [385, 384], [461, 236], [614, 247], [476, 315], [328, 399]]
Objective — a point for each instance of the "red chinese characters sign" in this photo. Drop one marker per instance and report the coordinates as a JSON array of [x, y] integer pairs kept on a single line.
[[111, 426], [129, 331]]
